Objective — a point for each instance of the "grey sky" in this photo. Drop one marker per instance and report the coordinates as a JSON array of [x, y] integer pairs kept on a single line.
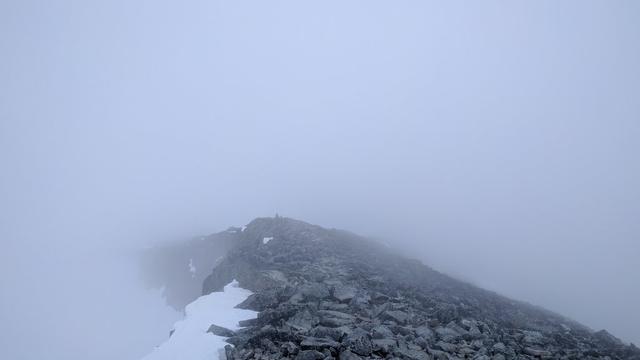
[[497, 141]]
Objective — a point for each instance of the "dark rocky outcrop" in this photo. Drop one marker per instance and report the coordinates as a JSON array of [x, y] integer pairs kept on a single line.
[[329, 294], [220, 331]]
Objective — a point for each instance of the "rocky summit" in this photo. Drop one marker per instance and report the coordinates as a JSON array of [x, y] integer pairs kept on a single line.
[[330, 294]]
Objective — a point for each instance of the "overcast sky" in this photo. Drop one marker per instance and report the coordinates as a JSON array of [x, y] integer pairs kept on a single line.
[[496, 141]]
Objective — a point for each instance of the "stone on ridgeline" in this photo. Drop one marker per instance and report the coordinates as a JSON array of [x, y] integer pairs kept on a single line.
[[348, 355], [446, 333], [425, 332], [381, 332], [385, 346], [534, 351], [344, 293], [327, 332], [313, 343], [358, 342], [399, 317], [220, 331], [309, 355], [413, 354]]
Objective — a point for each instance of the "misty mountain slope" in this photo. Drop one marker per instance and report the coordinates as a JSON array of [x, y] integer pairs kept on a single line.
[[180, 268], [324, 294]]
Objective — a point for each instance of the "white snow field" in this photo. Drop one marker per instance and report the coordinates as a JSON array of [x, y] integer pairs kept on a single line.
[[190, 340]]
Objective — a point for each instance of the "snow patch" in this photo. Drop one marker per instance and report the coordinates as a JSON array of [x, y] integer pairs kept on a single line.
[[190, 340], [243, 228], [267, 239], [192, 268]]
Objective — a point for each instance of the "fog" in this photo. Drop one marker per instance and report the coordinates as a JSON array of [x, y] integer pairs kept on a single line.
[[495, 141]]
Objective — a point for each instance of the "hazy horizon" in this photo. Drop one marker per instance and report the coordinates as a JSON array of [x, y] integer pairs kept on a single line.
[[495, 141]]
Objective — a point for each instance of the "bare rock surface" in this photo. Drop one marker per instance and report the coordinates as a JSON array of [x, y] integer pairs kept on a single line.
[[330, 294]]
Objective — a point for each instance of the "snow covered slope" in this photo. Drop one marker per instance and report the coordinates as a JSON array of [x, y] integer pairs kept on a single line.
[[190, 341]]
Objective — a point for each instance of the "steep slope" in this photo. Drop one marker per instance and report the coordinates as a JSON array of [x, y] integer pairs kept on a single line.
[[191, 337], [181, 267], [325, 294]]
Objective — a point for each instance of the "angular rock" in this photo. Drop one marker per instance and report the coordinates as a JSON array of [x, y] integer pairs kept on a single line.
[[327, 332], [438, 354], [260, 301], [381, 332], [446, 347], [314, 291], [289, 349], [536, 351], [332, 318], [425, 332], [446, 333], [303, 320], [499, 348], [228, 352], [358, 342], [248, 322], [326, 305], [309, 355], [344, 293], [220, 331], [348, 355], [399, 317], [319, 344], [361, 299], [413, 354], [385, 346]]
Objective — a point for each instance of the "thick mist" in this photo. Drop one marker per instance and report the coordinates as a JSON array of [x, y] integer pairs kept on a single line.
[[495, 141]]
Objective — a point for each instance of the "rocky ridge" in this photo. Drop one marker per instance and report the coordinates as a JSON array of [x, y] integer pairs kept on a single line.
[[330, 294]]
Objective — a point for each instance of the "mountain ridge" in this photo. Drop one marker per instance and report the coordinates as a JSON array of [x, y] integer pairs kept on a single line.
[[328, 293]]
